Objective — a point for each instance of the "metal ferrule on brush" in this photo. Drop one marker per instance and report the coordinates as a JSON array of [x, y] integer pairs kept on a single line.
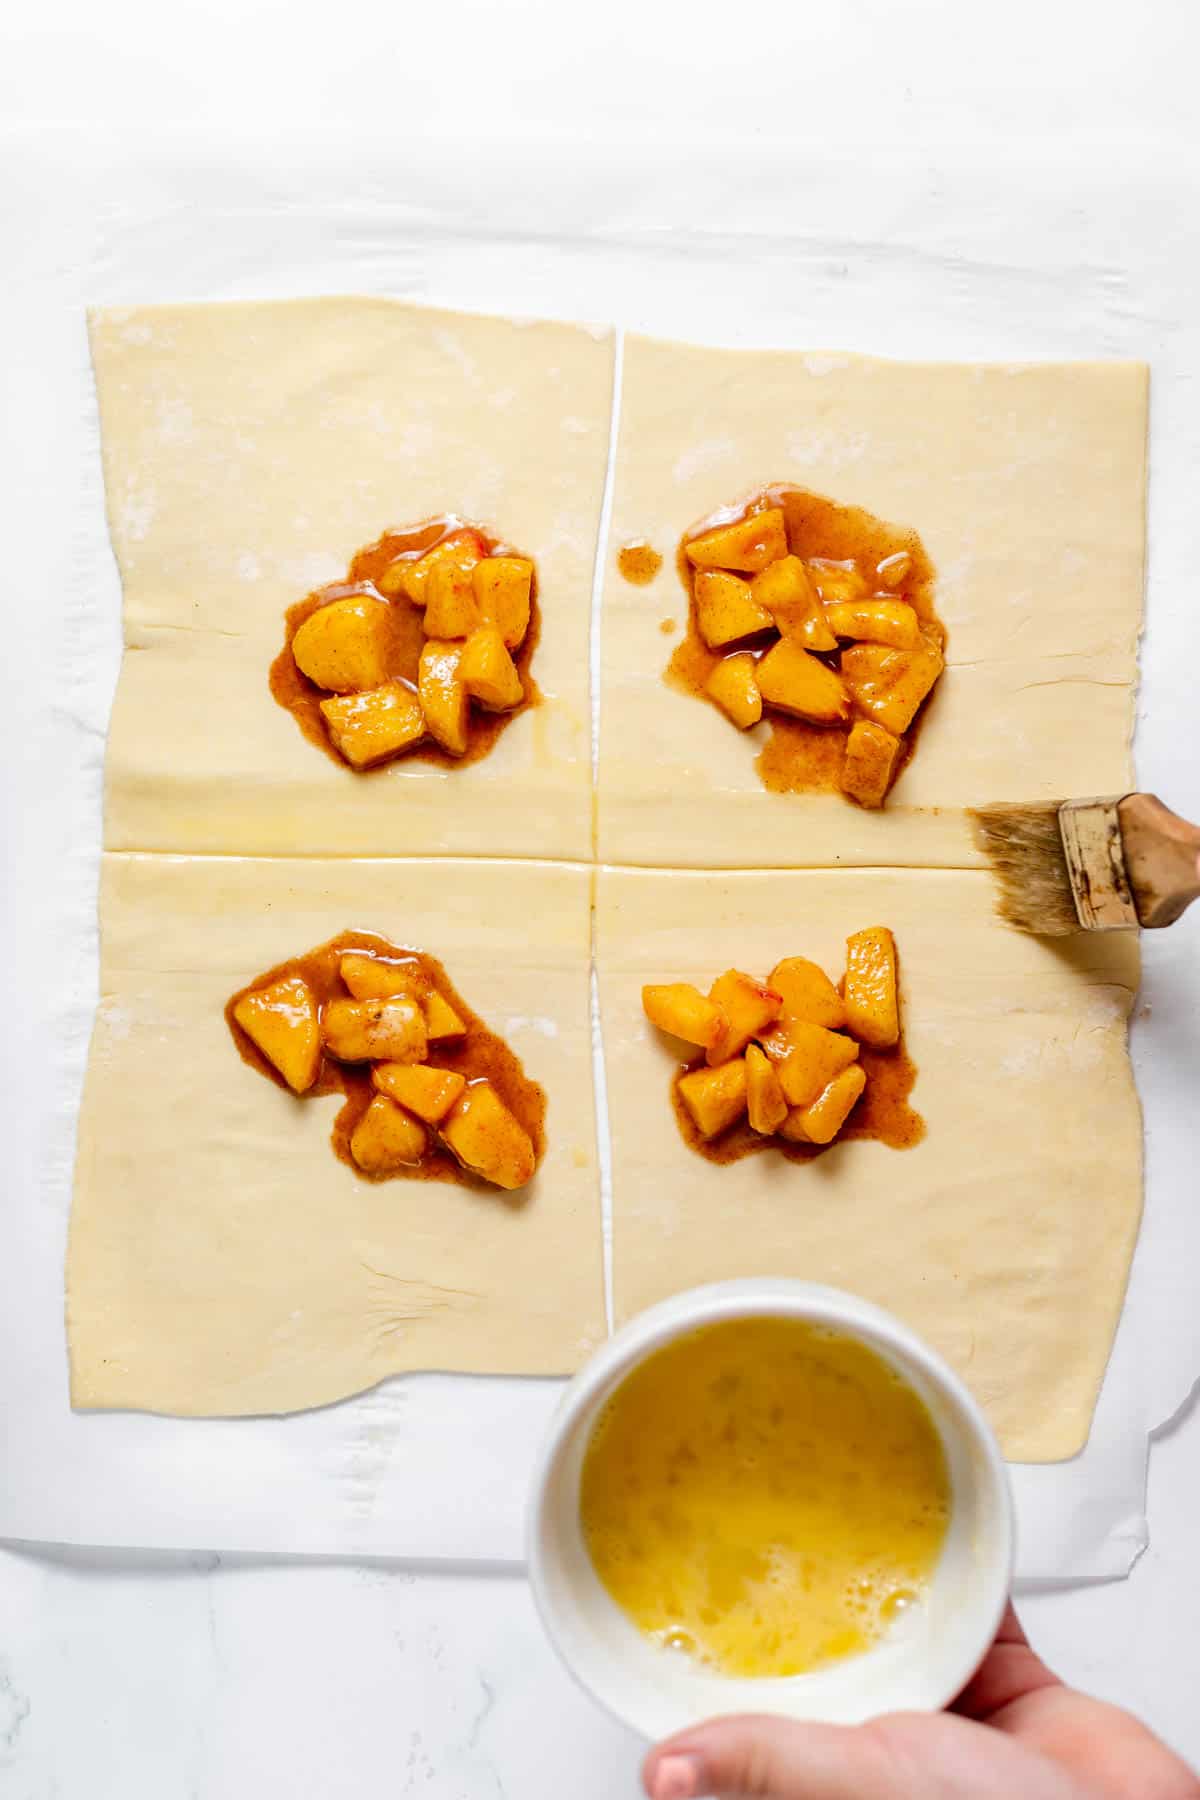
[[1095, 856]]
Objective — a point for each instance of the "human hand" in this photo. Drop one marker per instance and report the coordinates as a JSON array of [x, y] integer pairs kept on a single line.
[[1016, 1730]]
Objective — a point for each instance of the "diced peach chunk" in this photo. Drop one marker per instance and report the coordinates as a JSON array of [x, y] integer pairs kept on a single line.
[[462, 548], [792, 1128], [282, 1020], [871, 754], [503, 585], [391, 582], [367, 728], [766, 1103], [836, 581], [441, 1020], [488, 1139], [425, 1091], [824, 1118], [442, 695], [807, 1057], [725, 609], [387, 1138], [747, 1006], [894, 570], [889, 685], [786, 592], [733, 685], [344, 645], [715, 1098], [749, 544], [892, 622], [794, 681], [374, 977], [681, 1009], [807, 993], [451, 610], [489, 673], [872, 988], [391, 1030]]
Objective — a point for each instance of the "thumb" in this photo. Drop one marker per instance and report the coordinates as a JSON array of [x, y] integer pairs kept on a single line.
[[902, 1756], [753, 1758]]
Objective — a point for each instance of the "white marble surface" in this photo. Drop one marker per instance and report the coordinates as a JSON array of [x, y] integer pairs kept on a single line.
[[205, 1678], [197, 1678]]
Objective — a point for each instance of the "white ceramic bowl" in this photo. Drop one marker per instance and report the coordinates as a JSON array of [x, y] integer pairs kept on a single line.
[[924, 1662]]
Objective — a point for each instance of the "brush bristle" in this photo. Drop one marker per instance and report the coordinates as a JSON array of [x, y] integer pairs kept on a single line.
[[1025, 848]]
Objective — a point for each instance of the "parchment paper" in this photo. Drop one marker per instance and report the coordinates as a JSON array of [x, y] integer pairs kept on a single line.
[[735, 245]]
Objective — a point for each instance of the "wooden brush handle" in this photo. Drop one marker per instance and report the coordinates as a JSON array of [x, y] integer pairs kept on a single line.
[[1160, 858]]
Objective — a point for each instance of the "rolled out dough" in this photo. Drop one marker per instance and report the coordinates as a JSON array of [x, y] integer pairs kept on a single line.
[[249, 451], [1027, 487], [1005, 1236], [221, 1260]]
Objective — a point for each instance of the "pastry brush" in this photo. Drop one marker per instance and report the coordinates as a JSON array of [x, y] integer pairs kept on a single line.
[[1090, 865]]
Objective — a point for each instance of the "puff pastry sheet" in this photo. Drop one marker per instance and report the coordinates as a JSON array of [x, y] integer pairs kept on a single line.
[[1027, 487], [1005, 1236], [249, 451], [221, 1259]]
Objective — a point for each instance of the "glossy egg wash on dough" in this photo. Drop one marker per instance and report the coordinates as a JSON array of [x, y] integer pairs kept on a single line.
[[766, 1495]]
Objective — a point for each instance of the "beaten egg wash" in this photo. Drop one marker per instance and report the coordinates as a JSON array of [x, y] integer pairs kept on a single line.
[[765, 1494]]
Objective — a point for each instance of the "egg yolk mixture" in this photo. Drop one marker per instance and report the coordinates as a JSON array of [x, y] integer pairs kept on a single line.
[[765, 1495]]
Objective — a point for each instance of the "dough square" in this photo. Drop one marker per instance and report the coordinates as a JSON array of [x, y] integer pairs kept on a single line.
[[1026, 484], [222, 1260], [249, 451], [1005, 1236]]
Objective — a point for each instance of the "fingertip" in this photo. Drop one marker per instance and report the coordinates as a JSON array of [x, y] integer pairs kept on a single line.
[[675, 1776], [770, 1756]]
